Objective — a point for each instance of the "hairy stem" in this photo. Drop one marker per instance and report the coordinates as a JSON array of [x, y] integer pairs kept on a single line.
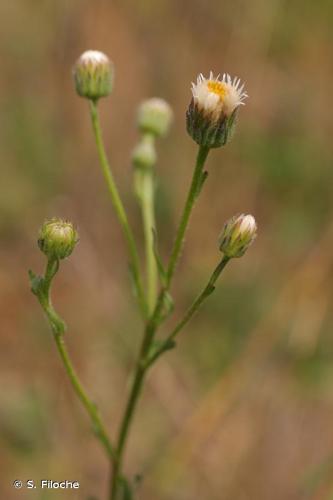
[[119, 208], [148, 217], [191, 197], [206, 292], [155, 319], [58, 328], [91, 408]]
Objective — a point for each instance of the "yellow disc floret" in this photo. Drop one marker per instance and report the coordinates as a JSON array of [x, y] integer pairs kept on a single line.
[[217, 87]]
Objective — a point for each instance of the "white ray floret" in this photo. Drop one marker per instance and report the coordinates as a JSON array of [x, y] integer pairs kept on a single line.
[[94, 57], [216, 96]]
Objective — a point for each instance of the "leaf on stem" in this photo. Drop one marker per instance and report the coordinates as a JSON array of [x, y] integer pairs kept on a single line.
[[162, 346], [209, 290], [160, 267], [168, 306], [201, 182], [36, 282]]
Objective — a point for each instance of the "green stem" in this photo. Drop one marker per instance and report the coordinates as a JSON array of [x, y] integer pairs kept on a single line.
[[124, 429], [206, 292], [154, 321], [148, 218], [196, 185], [119, 208], [58, 328], [91, 408], [131, 405]]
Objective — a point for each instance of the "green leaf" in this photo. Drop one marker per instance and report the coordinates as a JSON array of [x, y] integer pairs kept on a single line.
[[160, 266], [209, 290], [162, 346], [158, 348], [168, 306], [201, 182], [36, 282]]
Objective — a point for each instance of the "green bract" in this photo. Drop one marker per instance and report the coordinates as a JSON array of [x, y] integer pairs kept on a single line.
[[206, 130], [154, 117], [237, 235], [93, 75], [57, 238]]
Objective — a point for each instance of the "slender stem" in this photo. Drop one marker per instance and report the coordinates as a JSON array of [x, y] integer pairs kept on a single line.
[[58, 328], [119, 208], [142, 367], [155, 319], [206, 292], [148, 218], [131, 405], [191, 197], [124, 429], [91, 408]]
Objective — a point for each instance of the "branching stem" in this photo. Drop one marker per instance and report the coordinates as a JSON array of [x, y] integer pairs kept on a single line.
[[155, 319]]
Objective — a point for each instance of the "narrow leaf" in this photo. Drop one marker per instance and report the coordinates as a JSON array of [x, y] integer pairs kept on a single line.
[[160, 266], [168, 305], [202, 180], [209, 290], [36, 282]]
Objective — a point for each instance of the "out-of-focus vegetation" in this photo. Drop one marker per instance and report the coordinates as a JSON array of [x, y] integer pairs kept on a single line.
[[243, 409]]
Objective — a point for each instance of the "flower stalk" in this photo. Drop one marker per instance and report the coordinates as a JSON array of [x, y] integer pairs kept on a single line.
[[119, 208], [206, 292], [148, 219], [41, 286], [210, 121], [198, 179], [144, 159], [155, 319]]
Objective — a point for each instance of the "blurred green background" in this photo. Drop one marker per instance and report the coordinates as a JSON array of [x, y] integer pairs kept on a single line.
[[243, 408]]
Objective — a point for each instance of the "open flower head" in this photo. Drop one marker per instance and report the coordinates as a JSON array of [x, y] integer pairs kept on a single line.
[[212, 111], [238, 234], [93, 75]]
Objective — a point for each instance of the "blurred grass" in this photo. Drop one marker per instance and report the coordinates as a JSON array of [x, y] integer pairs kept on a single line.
[[243, 408]]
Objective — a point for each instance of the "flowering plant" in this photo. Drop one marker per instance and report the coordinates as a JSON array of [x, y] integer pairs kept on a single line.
[[211, 119]]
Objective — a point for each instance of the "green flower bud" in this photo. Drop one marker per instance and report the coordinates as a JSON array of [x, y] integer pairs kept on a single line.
[[210, 118], [57, 238], [238, 234], [93, 75], [154, 117], [144, 154]]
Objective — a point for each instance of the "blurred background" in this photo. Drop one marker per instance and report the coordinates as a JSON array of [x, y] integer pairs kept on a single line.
[[243, 408]]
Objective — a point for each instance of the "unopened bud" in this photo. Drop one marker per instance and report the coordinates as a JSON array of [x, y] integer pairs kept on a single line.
[[57, 238], [144, 154], [238, 234], [93, 75], [154, 117]]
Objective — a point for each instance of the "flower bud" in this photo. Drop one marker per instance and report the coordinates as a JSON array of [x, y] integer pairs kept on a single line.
[[154, 117], [144, 154], [57, 238], [210, 118], [238, 234], [93, 75]]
